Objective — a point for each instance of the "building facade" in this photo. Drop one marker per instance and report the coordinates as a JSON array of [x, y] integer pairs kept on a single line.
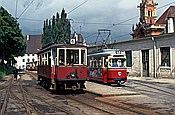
[[29, 60], [148, 57], [151, 52]]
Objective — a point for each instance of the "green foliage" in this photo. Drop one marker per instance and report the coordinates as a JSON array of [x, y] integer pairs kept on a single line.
[[1, 74], [11, 39], [56, 30], [5, 70]]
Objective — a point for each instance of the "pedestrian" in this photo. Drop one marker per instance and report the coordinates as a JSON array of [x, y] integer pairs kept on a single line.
[[15, 73]]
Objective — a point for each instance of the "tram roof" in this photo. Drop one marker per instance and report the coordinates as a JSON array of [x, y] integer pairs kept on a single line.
[[61, 46], [105, 52]]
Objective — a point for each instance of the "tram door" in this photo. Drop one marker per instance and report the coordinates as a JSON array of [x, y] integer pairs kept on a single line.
[[145, 63]]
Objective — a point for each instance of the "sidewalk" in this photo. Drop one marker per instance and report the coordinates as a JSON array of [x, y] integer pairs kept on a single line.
[[106, 90], [151, 79]]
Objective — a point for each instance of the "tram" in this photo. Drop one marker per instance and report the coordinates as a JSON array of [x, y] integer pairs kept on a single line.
[[107, 66], [63, 66], [31, 66]]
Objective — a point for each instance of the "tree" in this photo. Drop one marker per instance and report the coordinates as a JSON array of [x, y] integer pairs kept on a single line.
[[11, 39], [56, 30]]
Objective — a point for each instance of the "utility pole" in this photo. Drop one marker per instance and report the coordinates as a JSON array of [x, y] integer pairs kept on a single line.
[[154, 57]]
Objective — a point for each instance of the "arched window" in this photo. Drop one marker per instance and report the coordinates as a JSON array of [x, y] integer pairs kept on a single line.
[[150, 13]]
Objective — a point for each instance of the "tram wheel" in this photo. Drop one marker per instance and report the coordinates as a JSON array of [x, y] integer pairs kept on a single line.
[[47, 85]]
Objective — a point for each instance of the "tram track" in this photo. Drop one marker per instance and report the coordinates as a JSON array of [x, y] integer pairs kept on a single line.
[[14, 96], [5, 84], [166, 91], [20, 97], [6, 98], [108, 107], [91, 105], [53, 103]]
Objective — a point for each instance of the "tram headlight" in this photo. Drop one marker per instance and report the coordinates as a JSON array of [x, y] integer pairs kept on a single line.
[[72, 75], [119, 73]]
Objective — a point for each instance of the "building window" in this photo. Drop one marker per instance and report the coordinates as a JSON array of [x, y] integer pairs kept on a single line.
[[165, 56], [149, 13], [23, 60], [28, 60], [128, 58], [23, 66]]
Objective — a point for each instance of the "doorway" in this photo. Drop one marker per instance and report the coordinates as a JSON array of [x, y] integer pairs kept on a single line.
[[145, 63]]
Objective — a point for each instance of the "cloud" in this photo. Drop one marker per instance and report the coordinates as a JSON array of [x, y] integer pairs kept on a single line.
[[94, 14], [126, 5]]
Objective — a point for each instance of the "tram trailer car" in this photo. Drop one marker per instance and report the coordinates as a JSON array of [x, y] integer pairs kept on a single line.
[[107, 66], [63, 67], [31, 66]]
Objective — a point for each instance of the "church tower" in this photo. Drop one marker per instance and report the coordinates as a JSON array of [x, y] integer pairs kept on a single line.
[[147, 23], [148, 12]]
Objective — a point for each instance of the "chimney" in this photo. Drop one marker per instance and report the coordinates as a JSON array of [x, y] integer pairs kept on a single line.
[[28, 37], [170, 23]]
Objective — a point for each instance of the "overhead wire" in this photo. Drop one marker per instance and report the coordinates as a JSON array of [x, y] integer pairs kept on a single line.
[[25, 10], [129, 20], [120, 23], [165, 5], [138, 16], [16, 8], [29, 19], [77, 6]]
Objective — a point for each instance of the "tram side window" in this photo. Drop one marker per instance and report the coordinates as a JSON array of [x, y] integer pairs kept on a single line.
[[83, 57], [46, 59], [72, 56], [106, 61], [95, 62], [54, 54], [99, 62], [40, 60], [61, 57], [43, 59], [90, 61], [49, 58]]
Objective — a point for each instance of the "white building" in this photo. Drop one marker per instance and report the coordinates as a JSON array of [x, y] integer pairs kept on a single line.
[[23, 60], [33, 43]]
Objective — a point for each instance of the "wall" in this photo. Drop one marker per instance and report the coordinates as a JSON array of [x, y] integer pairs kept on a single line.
[[136, 46], [22, 64]]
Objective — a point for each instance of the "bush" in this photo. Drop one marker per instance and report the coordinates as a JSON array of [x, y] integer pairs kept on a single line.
[[1, 74], [5, 70]]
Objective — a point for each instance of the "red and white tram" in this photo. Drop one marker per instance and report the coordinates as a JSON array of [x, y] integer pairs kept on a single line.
[[63, 66], [107, 66]]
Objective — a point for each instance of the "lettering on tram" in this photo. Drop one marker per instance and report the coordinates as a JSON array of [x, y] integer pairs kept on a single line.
[[63, 66], [107, 66]]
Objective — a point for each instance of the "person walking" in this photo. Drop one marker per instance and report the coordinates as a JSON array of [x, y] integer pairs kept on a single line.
[[15, 73]]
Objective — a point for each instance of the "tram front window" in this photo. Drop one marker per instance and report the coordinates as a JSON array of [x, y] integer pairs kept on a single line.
[[72, 57], [117, 62]]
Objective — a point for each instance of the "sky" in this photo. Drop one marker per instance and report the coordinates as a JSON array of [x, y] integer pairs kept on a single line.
[[86, 16]]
